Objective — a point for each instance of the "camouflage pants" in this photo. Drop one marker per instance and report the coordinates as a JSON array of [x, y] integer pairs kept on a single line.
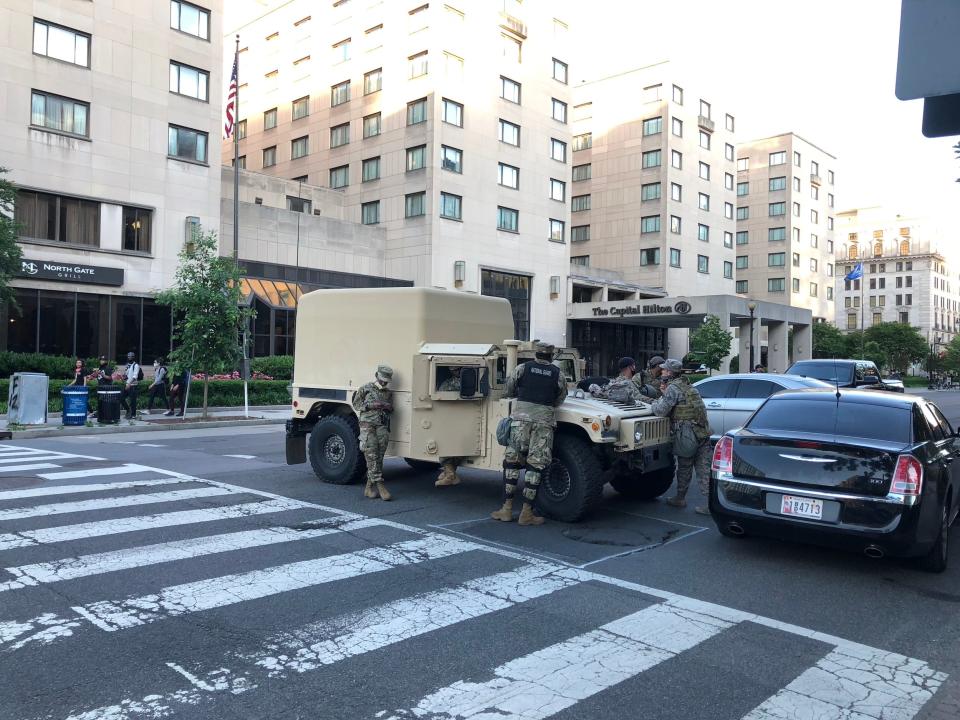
[[531, 445], [701, 463], [373, 445]]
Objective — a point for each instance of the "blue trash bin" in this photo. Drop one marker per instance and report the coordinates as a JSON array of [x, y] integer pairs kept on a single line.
[[75, 401]]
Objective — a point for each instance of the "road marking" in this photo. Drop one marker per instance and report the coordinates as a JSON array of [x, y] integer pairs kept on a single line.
[[93, 487], [153, 445], [547, 681], [39, 457], [134, 557], [242, 457], [115, 502], [43, 629], [89, 472], [857, 684], [25, 453], [38, 466], [231, 589], [100, 528]]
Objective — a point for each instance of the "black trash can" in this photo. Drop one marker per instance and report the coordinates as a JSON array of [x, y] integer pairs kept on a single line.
[[108, 405]]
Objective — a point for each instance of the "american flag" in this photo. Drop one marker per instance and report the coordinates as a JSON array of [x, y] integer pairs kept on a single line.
[[228, 126]]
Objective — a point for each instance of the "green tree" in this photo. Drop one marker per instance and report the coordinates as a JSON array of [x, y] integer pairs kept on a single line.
[[206, 297], [859, 347], [828, 341], [711, 342], [902, 344], [10, 253], [951, 358]]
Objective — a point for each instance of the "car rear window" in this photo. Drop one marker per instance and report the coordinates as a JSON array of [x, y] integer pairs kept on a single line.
[[860, 420], [827, 371]]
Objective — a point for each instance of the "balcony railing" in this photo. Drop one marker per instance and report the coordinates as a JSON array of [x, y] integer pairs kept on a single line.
[[814, 179], [509, 22], [705, 122]]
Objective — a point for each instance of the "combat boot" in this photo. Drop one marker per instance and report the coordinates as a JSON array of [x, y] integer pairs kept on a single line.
[[370, 490], [505, 513], [448, 476], [676, 501], [382, 489], [527, 517]]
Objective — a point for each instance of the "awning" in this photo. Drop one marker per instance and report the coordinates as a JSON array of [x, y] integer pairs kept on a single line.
[[275, 293]]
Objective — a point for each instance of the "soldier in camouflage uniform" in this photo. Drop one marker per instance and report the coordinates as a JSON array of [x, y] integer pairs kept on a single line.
[[623, 387], [682, 403], [448, 465], [373, 403], [648, 382], [539, 387]]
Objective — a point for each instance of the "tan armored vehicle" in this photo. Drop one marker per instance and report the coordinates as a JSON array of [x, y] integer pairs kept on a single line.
[[342, 335]]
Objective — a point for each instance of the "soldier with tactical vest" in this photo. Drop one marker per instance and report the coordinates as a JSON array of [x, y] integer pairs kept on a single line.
[[689, 431], [648, 382], [539, 387], [623, 388], [373, 403]]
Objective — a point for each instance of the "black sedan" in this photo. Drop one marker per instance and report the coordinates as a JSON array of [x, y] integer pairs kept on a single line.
[[874, 472]]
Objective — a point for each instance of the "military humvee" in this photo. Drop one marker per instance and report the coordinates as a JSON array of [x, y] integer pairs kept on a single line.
[[342, 335]]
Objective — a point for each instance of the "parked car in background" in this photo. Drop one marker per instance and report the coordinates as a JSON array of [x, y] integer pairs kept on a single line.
[[874, 472], [731, 399], [845, 374], [894, 384]]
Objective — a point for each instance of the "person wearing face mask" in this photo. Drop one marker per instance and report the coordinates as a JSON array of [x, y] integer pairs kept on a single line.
[[373, 403], [158, 388], [104, 373]]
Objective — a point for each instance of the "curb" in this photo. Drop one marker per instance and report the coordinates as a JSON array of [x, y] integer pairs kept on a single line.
[[62, 431]]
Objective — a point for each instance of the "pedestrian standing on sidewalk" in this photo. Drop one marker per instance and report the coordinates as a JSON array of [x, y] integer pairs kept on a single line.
[[178, 392], [79, 373], [131, 386], [104, 373], [158, 388]]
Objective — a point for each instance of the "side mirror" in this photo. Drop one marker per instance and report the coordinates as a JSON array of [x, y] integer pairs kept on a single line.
[[468, 382], [484, 382], [871, 380]]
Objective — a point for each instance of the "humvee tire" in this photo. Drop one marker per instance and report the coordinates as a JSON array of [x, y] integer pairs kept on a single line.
[[573, 483], [423, 465], [334, 450], [643, 487]]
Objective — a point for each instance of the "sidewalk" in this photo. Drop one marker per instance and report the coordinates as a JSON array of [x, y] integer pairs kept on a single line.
[[217, 417]]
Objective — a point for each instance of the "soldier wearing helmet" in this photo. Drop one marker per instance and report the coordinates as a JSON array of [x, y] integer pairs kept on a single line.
[[539, 387], [373, 403]]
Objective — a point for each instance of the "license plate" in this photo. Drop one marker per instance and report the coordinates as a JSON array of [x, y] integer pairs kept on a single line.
[[801, 507]]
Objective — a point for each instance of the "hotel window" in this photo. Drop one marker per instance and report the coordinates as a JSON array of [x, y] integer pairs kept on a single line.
[[703, 232], [582, 172], [186, 144], [676, 224], [829, 269], [270, 156], [370, 213], [730, 122], [851, 321], [728, 210], [778, 158], [814, 217], [341, 51], [557, 230], [560, 71], [509, 90], [241, 130], [676, 126], [742, 287], [728, 270], [703, 264], [340, 176], [675, 257], [796, 183], [299, 147], [795, 259], [301, 108], [678, 94], [704, 140], [558, 110], [795, 285], [829, 223], [418, 64], [743, 213], [136, 229], [830, 177], [61, 43], [813, 264], [652, 93], [728, 152], [650, 191], [452, 113], [829, 293], [57, 218], [650, 256], [778, 183], [743, 164], [777, 208], [583, 141], [417, 111], [340, 135], [583, 111], [415, 204], [703, 201], [508, 219], [340, 93], [776, 259], [508, 176], [370, 169], [743, 262], [579, 203], [676, 159], [796, 209], [416, 157], [243, 162], [453, 66], [776, 284], [777, 234], [650, 224], [704, 171], [814, 192], [188, 81], [814, 167], [579, 233], [814, 240], [371, 125], [743, 188], [676, 192], [451, 159], [653, 126], [743, 237], [270, 119], [580, 260], [558, 150], [796, 159], [705, 109], [373, 81], [651, 159], [814, 289], [509, 133], [52, 112], [558, 190], [300, 205], [451, 206], [829, 199], [796, 234], [190, 19], [511, 47], [727, 239]]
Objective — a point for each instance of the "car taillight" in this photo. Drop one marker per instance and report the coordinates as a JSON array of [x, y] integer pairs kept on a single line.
[[723, 455], [907, 476]]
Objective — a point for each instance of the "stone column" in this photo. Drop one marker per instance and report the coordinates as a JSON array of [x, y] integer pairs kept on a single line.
[[802, 342], [777, 360]]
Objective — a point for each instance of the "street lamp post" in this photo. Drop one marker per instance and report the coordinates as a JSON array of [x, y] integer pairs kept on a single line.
[[751, 306]]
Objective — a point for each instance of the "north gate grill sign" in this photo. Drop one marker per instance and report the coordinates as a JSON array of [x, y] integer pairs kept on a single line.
[[71, 272], [681, 308]]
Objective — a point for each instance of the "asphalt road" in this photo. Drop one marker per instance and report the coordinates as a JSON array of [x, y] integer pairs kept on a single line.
[[216, 582]]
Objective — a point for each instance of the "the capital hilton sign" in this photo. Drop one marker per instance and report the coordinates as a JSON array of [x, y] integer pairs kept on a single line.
[[680, 308]]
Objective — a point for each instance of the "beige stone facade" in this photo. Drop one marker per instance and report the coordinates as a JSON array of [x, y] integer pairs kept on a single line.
[[446, 124]]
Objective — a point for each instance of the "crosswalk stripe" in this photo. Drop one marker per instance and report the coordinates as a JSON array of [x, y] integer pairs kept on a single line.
[[40, 457], [36, 466], [855, 683], [231, 589], [31, 453], [549, 680], [89, 472], [114, 502], [127, 558], [99, 528], [92, 487]]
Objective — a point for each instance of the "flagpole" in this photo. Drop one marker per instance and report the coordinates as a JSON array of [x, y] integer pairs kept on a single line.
[[236, 213], [863, 329]]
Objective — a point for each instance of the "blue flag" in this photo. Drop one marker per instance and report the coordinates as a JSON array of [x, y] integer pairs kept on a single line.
[[855, 274]]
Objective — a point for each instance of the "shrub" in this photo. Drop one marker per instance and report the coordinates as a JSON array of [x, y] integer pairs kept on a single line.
[[279, 367], [56, 366]]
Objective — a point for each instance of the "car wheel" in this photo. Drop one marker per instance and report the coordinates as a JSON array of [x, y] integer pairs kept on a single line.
[[334, 450], [572, 484], [423, 465], [936, 560], [643, 487]]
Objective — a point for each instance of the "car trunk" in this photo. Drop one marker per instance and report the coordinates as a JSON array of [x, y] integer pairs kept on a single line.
[[852, 465]]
